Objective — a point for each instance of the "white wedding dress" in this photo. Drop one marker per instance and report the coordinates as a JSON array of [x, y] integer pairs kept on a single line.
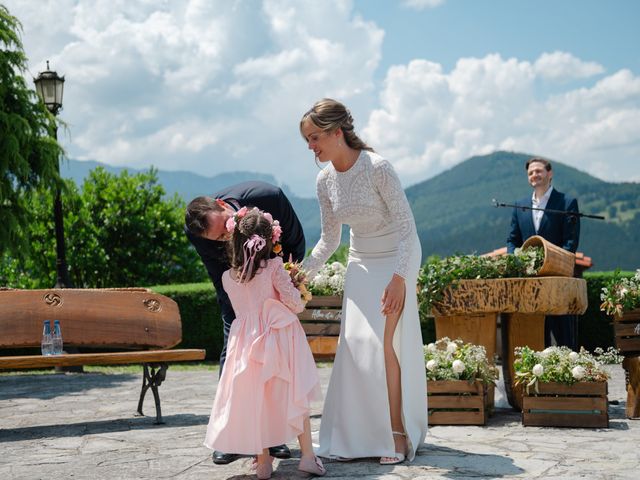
[[355, 420]]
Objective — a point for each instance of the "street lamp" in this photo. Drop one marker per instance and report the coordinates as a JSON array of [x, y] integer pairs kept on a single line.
[[50, 88]]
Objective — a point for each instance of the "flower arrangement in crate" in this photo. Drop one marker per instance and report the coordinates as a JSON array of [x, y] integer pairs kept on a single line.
[[563, 388], [460, 382], [561, 365], [621, 299], [621, 294], [448, 359]]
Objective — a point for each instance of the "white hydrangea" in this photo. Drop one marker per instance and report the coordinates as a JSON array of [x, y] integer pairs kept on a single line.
[[573, 356], [431, 347], [452, 347], [458, 366], [537, 370], [431, 365], [578, 372]]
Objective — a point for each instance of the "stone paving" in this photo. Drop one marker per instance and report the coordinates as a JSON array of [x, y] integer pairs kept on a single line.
[[80, 426]]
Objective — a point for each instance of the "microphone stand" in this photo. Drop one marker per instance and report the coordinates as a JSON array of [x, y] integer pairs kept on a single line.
[[572, 215]]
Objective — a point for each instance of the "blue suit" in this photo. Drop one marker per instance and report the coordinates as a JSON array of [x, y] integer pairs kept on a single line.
[[561, 230]]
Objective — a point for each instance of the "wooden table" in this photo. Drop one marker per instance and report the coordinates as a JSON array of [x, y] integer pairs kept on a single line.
[[470, 312]]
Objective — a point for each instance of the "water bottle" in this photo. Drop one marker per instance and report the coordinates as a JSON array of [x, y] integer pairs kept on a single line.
[[56, 339], [46, 344]]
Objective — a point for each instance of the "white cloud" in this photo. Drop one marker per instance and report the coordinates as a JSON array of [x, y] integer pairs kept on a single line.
[[429, 120], [209, 85], [564, 66], [422, 4]]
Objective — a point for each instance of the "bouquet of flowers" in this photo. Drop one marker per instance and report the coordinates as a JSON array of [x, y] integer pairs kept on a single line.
[[299, 279], [621, 294], [557, 364], [329, 280], [456, 360]]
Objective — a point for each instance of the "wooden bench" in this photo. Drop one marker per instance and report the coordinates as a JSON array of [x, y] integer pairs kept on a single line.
[[321, 322], [128, 326]]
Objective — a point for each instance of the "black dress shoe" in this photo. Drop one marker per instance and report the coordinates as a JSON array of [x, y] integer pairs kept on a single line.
[[281, 451], [220, 458]]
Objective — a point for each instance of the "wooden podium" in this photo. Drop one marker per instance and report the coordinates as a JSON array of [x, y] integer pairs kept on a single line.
[[470, 311]]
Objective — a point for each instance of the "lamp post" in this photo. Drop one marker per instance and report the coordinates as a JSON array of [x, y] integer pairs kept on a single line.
[[50, 87]]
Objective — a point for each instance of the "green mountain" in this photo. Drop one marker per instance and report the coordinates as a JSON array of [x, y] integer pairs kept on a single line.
[[454, 210], [455, 214]]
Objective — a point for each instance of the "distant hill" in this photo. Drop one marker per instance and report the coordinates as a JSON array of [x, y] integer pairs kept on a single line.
[[454, 210]]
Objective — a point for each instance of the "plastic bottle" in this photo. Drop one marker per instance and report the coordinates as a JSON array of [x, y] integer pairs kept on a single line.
[[56, 338], [46, 343]]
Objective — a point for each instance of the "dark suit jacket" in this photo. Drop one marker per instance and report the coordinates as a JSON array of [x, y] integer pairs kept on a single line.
[[561, 230], [267, 198]]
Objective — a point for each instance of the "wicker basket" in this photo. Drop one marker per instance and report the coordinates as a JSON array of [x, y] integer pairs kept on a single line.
[[558, 262]]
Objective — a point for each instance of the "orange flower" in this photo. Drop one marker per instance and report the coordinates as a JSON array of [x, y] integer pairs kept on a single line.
[[277, 248]]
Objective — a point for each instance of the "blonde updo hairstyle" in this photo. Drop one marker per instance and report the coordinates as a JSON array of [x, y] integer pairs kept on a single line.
[[329, 115], [253, 223]]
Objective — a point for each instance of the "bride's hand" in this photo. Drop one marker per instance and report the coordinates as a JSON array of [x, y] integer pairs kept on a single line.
[[393, 297]]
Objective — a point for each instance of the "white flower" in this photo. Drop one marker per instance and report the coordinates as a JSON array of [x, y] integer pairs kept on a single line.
[[337, 267], [538, 370], [458, 366], [573, 356], [431, 365], [452, 347], [578, 372], [431, 347]]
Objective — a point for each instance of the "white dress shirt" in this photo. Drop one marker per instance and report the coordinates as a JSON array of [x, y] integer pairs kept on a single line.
[[542, 203]]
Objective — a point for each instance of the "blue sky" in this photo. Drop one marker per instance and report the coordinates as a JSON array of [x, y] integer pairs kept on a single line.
[[212, 86]]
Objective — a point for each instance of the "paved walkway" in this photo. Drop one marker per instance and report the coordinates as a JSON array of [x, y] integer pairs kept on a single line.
[[80, 426]]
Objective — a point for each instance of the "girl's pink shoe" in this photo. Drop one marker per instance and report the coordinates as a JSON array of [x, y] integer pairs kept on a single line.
[[264, 470], [313, 466]]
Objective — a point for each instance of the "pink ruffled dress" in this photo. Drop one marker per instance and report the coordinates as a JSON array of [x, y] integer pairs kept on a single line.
[[270, 378]]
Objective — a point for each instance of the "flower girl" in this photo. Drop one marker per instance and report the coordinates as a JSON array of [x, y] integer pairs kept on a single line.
[[269, 381]]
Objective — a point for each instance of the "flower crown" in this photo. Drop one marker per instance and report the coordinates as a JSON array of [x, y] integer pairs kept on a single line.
[[276, 229]]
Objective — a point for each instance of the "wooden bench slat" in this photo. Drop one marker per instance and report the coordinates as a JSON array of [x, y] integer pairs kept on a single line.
[[115, 358]]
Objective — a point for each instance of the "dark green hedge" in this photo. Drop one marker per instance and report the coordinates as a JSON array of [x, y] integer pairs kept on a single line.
[[201, 320]]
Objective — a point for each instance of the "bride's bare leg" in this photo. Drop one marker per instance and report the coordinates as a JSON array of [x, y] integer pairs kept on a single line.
[[394, 384]]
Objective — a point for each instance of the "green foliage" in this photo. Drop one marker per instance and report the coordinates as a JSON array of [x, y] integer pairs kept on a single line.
[[200, 314], [120, 231], [28, 151], [439, 274]]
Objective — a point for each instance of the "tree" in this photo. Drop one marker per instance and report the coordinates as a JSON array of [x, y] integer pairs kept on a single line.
[[121, 232], [28, 152]]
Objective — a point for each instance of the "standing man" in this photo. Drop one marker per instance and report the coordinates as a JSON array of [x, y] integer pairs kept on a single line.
[[560, 229], [205, 227]]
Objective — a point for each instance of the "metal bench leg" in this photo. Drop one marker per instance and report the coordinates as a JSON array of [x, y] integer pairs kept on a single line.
[[152, 378]]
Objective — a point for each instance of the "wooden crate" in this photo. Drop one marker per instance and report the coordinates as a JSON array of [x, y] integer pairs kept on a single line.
[[321, 322], [458, 402], [583, 404], [627, 331]]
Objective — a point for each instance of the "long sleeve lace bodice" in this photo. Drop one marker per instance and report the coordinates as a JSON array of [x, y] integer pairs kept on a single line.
[[369, 198]]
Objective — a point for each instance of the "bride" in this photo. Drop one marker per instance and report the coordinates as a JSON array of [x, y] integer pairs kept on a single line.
[[376, 399]]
